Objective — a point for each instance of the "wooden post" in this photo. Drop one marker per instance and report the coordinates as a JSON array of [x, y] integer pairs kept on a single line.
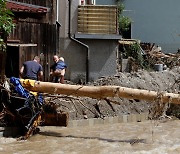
[[2, 65], [99, 92]]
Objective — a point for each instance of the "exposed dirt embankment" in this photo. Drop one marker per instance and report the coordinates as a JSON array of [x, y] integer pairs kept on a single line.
[[83, 107]]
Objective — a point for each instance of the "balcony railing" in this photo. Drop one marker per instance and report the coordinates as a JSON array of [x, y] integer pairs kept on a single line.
[[97, 19]]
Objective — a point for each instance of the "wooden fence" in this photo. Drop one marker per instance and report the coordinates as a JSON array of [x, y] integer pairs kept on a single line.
[[97, 19]]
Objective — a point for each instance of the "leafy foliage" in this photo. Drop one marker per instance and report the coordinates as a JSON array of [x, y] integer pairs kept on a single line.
[[6, 21], [134, 51], [124, 22]]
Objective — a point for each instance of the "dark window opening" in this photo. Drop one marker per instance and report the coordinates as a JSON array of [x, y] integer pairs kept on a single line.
[[126, 34], [12, 62]]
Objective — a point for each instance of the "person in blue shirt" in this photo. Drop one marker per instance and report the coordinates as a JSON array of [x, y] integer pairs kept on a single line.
[[57, 70], [32, 69]]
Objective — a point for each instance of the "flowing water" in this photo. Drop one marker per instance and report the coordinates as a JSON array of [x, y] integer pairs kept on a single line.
[[157, 137]]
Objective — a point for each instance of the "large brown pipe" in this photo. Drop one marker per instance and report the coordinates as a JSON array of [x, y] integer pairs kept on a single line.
[[100, 92]]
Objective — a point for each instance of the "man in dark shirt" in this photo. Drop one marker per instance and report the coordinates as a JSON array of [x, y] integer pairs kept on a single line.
[[32, 69]]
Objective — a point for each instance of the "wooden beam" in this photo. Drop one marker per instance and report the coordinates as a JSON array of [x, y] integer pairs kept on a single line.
[[100, 92], [21, 45]]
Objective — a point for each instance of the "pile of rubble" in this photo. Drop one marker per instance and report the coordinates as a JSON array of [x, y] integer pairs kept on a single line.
[[145, 56], [156, 56], [82, 107]]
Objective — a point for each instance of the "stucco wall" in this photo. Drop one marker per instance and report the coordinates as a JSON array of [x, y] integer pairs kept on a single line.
[[105, 2], [75, 58], [155, 21], [102, 58]]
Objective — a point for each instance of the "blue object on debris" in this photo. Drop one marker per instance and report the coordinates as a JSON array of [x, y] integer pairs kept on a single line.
[[19, 88]]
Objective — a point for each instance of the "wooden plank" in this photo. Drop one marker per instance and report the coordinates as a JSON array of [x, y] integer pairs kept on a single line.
[[55, 119], [97, 28], [96, 19], [98, 10], [97, 7], [93, 22], [21, 45], [108, 27], [97, 31], [96, 14]]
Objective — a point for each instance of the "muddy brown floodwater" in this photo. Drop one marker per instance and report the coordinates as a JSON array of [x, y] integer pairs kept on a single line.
[[143, 137]]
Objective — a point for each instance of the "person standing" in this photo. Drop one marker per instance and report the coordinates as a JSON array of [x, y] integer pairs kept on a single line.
[[32, 70], [57, 70]]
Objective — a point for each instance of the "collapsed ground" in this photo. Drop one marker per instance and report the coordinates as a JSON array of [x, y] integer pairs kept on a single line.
[[84, 108], [167, 80]]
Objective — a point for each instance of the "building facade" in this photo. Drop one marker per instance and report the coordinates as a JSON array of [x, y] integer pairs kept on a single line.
[[84, 33], [155, 22], [36, 33], [89, 39]]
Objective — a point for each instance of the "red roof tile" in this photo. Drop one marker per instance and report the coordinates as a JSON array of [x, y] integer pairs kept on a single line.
[[24, 7]]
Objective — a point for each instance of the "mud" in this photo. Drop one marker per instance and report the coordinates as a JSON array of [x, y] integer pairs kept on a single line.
[[84, 108], [138, 138]]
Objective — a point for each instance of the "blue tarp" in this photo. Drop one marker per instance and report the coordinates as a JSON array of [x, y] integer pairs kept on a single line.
[[23, 92], [19, 88]]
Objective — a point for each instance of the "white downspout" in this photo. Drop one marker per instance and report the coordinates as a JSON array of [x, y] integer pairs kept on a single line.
[[57, 11]]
